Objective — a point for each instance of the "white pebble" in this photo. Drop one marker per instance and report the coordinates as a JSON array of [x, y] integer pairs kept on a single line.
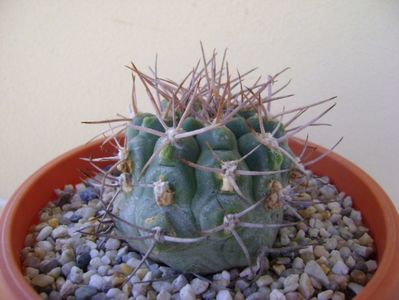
[[291, 283], [362, 250], [76, 275], [338, 296], [340, 268], [335, 207], [187, 293], [179, 283], [305, 286], [97, 281], [86, 212], [112, 244], [45, 245], [345, 252], [371, 265], [328, 191], [356, 288], [164, 295], [349, 222], [277, 295], [313, 269], [356, 215], [324, 233], [247, 272], [44, 233], [223, 295], [113, 293], [264, 280], [325, 295], [60, 231], [96, 262], [133, 262], [331, 243], [91, 244], [87, 276], [160, 286], [103, 270], [199, 286], [93, 253], [298, 263], [105, 260]]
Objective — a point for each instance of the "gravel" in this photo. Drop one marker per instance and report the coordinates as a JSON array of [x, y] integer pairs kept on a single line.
[[334, 256]]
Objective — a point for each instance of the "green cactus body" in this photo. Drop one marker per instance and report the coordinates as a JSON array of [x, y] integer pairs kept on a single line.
[[192, 201]]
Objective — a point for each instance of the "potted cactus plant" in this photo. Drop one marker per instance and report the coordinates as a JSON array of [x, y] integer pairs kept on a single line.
[[206, 183]]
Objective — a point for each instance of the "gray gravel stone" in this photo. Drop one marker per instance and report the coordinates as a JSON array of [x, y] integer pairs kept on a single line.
[[54, 295], [31, 272], [68, 288], [48, 265], [85, 293], [371, 265], [42, 280]]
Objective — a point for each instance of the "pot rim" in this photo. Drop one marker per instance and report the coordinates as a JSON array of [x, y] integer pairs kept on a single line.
[[384, 283]]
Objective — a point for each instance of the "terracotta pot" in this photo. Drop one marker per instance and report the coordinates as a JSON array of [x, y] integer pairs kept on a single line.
[[379, 214]]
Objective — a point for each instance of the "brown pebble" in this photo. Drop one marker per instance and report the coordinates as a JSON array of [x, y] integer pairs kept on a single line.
[[278, 269], [118, 279], [359, 277], [325, 268]]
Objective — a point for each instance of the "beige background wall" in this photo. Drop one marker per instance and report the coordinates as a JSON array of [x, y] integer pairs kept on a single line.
[[61, 62]]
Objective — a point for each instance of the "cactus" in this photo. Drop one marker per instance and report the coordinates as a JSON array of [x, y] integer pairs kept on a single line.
[[203, 183]]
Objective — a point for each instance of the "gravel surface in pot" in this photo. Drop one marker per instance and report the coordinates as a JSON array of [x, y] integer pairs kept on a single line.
[[326, 255]]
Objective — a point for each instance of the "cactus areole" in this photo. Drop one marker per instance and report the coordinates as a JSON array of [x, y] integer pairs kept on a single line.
[[204, 181]]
